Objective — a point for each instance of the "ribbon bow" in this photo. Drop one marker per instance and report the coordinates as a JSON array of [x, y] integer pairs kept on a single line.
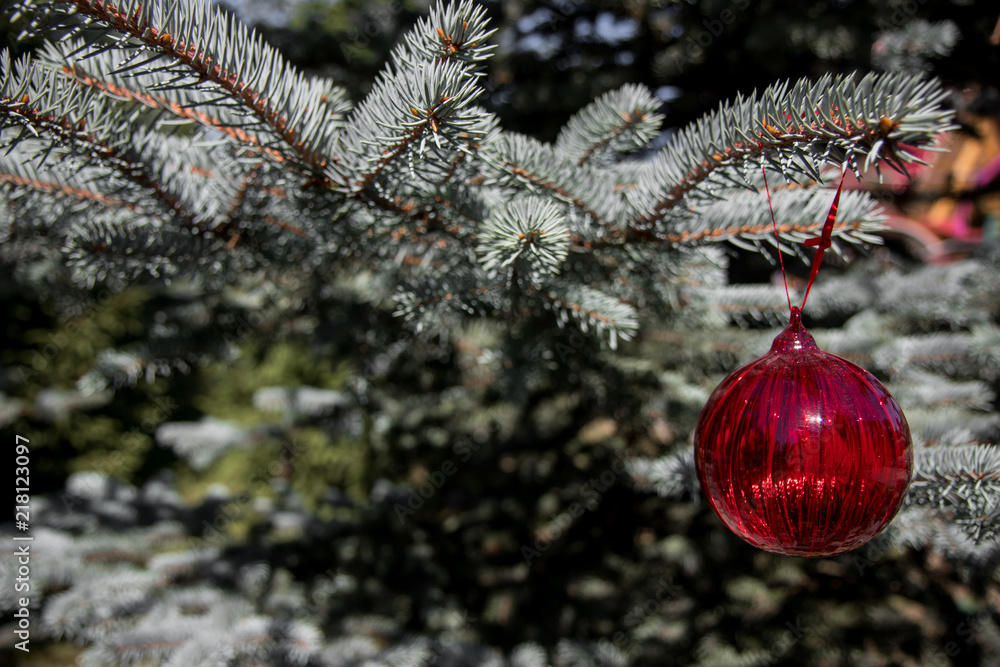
[[822, 242]]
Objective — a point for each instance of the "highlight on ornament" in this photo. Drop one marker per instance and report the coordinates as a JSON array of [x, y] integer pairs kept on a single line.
[[801, 452]]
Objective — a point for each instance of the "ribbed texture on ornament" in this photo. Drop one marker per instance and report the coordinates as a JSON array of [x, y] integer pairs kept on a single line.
[[801, 452]]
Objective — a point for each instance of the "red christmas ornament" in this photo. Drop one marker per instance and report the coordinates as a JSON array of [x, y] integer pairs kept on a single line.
[[801, 452]]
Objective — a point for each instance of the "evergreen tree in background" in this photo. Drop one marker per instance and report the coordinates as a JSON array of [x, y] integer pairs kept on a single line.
[[527, 327]]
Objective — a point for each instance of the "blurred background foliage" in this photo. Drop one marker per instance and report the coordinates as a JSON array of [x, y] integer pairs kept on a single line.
[[485, 484]]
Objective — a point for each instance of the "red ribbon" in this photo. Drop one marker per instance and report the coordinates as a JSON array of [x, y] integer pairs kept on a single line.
[[822, 242]]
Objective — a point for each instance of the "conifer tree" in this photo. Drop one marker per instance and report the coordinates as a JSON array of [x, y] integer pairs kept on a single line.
[[196, 150], [165, 144]]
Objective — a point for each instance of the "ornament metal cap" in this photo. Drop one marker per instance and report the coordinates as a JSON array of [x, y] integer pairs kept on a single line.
[[795, 336]]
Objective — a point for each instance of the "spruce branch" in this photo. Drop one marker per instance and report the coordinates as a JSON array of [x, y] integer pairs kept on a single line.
[[619, 121], [796, 128], [58, 114], [528, 236], [956, 295], [952, 354], [186, 105], [449, 219], [427, 300], [799, 212], [521, 160], [450, 32], [940, 425], [100, 250], [411, 113], [964, 482], [842, 295], [930, 390], [984, 345], [418, 118], [464, 208], [230, 221], [111, 157], [417, 151], [747, 304], [456, 163], [671, 476], [590, 308], [18, 175], [744, 218], [199, 47]]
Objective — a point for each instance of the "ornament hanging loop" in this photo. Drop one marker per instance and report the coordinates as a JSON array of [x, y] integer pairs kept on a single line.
[[822, 243], [777, 239]]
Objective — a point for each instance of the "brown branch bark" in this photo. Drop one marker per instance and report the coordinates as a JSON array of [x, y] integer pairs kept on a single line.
[[716, 233], [630, 121], [537, 180], [575, 307], [23, 113], [194, 57], [67, 191], [792, 134], [158, 103]]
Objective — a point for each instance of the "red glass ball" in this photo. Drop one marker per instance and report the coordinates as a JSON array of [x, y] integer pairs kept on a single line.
[[801, 452]]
